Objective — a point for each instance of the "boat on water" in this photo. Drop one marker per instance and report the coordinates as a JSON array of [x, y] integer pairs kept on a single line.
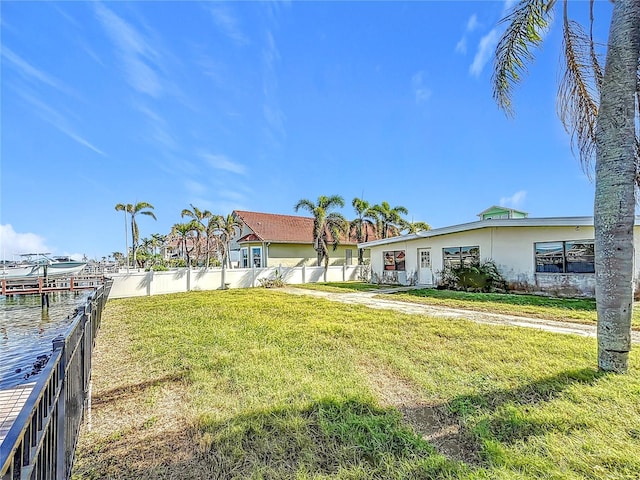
[[38, 265]]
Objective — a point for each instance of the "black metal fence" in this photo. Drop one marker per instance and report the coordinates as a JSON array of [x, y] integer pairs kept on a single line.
[[42, 440]]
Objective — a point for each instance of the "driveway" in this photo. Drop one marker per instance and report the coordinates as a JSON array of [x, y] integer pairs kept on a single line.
[[367, 299]]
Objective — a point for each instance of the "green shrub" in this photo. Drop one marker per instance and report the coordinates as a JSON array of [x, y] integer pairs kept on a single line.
[[177, 262], [158, 268], [475, 277]]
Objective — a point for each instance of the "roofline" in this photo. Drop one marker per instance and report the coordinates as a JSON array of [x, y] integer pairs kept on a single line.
[[502, 208], [479, 224], [239, 214], [291, 242], [274, 241]]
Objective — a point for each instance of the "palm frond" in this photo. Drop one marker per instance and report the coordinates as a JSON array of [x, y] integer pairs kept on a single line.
[[525, 27], [141, 205], [150, 214], [305, 204], [577, 92], [330, 202], [360, 206], [595, 60]]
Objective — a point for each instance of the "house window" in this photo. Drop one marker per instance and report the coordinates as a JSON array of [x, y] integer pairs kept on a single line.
[[456, 256], [256, 256], [348, 256], [425, 258], [244, 257], [394, 260], [565, 257]]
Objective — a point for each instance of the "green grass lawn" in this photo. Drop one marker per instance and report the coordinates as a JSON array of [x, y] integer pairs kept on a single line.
[[342, 286], [263, 385], [580, 310]]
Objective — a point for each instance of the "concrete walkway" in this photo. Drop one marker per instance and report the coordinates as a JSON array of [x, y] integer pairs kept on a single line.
[[367, 299]]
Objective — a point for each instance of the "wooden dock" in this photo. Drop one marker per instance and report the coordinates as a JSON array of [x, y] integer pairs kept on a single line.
[[43, 285], [11, 402]]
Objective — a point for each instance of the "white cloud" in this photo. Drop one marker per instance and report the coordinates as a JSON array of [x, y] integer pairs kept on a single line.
[[232, 195], [28, 70], [136, 53], [228, 23], [514, 201], [420, 90], [160, 130], [472, 23], [59, 121], [485, 51], [194, 188], [270, 52], [225, 207], [14, 243], [273, 114], [275, 118], [222, 162]]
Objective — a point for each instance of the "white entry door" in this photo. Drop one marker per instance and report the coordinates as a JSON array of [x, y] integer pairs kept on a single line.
[[425, 273]]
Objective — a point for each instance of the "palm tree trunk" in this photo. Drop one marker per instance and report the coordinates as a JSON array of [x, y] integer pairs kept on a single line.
[[133, 242], [126, 243], [614, 207]]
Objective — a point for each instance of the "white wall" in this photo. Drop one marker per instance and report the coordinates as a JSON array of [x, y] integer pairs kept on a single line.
[[137, 284]]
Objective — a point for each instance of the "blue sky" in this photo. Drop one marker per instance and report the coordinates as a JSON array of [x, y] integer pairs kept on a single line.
[[255, 105]]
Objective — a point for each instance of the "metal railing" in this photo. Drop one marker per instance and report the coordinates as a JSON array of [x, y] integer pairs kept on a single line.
[[42, 440]]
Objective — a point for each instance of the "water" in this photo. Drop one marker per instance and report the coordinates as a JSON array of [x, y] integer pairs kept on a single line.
[[27, 331]]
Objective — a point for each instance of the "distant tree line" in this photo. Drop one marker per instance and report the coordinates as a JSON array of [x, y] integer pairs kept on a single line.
[[204, 238]]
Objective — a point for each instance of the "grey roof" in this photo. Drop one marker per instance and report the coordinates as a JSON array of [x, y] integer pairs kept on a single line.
[[479, 224]]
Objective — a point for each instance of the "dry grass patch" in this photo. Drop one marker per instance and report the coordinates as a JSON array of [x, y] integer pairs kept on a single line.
[[433, 422], [139, 428]]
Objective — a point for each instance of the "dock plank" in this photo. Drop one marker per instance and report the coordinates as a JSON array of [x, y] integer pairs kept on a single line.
[[11, 402]]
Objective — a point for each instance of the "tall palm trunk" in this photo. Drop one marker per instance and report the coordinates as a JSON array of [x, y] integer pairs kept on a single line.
[[614, 208], [134, 243]]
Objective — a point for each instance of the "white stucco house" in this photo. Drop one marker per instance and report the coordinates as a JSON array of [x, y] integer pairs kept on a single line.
[[554, 255]]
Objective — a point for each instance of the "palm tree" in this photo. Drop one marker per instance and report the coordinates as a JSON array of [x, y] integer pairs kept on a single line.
[[146, 245], [118, 257], [143, 208], [199, 216], [225, 228], [159, 241], [415, 227], [362, 224], [600, 111], [328, 226], [184, 232], [389, 220]]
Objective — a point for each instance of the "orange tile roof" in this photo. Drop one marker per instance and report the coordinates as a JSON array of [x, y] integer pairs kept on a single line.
[[272, 227]]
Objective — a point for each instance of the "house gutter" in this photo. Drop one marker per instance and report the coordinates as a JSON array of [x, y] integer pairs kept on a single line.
[[511, 222]]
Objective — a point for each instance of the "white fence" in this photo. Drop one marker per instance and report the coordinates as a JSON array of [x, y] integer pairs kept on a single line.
[[139, 284]]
